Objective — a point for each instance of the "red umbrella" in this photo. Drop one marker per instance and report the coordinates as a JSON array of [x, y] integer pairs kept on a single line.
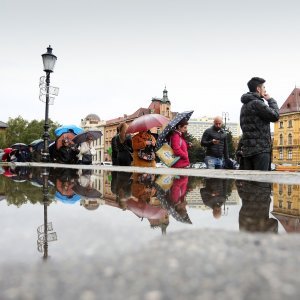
[[146, 122], [144, 210], [67, 135]]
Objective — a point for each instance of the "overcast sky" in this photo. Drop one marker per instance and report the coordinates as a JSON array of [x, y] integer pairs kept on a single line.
[[114, 56]]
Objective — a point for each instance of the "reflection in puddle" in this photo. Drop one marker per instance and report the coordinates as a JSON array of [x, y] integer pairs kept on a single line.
[[162, 201]]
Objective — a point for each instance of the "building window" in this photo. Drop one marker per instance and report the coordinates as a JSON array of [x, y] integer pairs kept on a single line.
[[281, 139], [290, 139], [280, 189], [290, 154], [289, 205], [280, 203], [280, 154], [290, 124], [281, 124], [289, 190]]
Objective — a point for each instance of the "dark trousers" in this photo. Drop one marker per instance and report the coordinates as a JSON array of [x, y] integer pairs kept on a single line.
[[261, 162]]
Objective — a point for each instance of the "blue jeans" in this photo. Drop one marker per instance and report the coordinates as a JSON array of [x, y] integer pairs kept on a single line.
[[213, 162]]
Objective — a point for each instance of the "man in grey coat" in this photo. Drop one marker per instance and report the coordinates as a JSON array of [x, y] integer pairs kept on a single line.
[[255, 118]]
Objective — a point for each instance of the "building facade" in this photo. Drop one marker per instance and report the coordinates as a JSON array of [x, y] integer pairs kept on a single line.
[[197, 127], [286, 143]]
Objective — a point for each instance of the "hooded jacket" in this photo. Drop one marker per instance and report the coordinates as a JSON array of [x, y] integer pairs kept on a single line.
[[255, 121]]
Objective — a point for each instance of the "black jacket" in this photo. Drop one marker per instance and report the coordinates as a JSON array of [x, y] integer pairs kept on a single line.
[[255, 121], [216, 150]]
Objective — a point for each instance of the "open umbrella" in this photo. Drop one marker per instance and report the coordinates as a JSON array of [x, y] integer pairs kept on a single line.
[[144, 210], [86, 191], [82, 137], [67, 199], [19, 146], [146, 122], [68, 128], [67, 135], [37, 144], [171, 126]]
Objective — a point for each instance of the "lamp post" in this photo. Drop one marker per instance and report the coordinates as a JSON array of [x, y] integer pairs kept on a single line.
[[49, 61], [225, 116]]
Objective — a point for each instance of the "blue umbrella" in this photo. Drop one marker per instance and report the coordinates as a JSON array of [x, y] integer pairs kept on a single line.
[[171, 126], [68, 128], [67, 199]]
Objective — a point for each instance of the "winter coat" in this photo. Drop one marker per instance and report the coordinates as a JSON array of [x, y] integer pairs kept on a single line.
[[255, 121], [179, 189], [139, 142], [215, 150], [180, 148], [124, 154]]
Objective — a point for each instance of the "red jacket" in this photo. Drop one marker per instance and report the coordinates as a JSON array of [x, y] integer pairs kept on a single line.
[[180, 148], [178, 189]]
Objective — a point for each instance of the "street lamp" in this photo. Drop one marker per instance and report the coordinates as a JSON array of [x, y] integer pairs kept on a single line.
[[225, 116], [49, 61]]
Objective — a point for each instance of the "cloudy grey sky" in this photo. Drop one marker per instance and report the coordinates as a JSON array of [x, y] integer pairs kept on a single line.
[[114, 56]]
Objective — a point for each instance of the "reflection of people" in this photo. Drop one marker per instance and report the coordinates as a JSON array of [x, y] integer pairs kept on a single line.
[[256, 200], [179, 145], [255, 118], [214, 139], [214, 194], [141, 141], [124, 146]]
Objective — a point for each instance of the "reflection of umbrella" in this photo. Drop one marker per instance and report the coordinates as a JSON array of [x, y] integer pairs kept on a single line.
[[67, 199], [82, 137], [145, 122], [144, 210], [65, 187], [68, 135], [169, 206], [86, 191], [19, 146], [171, 125], [68, 128]]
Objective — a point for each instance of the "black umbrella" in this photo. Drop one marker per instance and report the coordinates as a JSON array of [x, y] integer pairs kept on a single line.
[[82, 137], [86, 191], [19, 146], [166, 203], [171, 126]]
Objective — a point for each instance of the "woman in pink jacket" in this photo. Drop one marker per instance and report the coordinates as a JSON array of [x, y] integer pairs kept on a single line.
[[180, 145]]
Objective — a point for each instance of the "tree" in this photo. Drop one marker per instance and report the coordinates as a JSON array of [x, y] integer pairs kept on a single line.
[[196, 152], [22, 131]]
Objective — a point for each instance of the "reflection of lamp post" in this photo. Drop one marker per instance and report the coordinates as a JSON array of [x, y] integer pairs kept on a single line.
[[43, 230], [225, 117], [49, 60]]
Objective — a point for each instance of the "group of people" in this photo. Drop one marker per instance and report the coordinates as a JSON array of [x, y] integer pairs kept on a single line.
[[139, 149]]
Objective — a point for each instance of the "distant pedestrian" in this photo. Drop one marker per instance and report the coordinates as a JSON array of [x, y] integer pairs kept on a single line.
[[124, 146], [255, 118], [114, 149], [215, 141], [86, 151]]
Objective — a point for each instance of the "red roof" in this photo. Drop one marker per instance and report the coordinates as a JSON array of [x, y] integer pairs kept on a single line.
[[141, 111], [292, 103]]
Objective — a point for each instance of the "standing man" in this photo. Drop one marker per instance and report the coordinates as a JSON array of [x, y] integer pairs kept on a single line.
[[255, 120], [214, 139], [114, 148]]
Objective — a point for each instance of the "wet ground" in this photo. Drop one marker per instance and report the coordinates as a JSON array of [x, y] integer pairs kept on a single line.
[[105, 225]]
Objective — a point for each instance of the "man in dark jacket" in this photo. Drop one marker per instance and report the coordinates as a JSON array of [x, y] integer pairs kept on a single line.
[[214, 139], [255, 121]]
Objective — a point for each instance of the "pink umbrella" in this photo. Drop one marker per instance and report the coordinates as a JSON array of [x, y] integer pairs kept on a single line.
[[144, 210], [146, 122]]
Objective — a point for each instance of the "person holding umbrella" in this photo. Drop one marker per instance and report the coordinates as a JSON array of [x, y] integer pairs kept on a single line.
[[180, 145], [86, 151], [124, 146]]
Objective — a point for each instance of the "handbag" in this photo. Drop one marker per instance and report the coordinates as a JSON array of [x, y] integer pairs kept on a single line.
[[87, 158], [146, 154], [166, 155]]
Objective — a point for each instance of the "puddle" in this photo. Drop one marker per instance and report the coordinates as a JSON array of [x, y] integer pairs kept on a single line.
[[58, 213]]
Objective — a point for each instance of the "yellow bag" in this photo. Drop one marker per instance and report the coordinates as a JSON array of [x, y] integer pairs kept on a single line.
[[166, 155], [165, 181]]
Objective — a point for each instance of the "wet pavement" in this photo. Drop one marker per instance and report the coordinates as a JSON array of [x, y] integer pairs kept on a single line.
[[102, 234]]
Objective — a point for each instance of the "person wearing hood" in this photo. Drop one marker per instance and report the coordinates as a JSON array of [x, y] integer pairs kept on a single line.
[[255, 118]]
